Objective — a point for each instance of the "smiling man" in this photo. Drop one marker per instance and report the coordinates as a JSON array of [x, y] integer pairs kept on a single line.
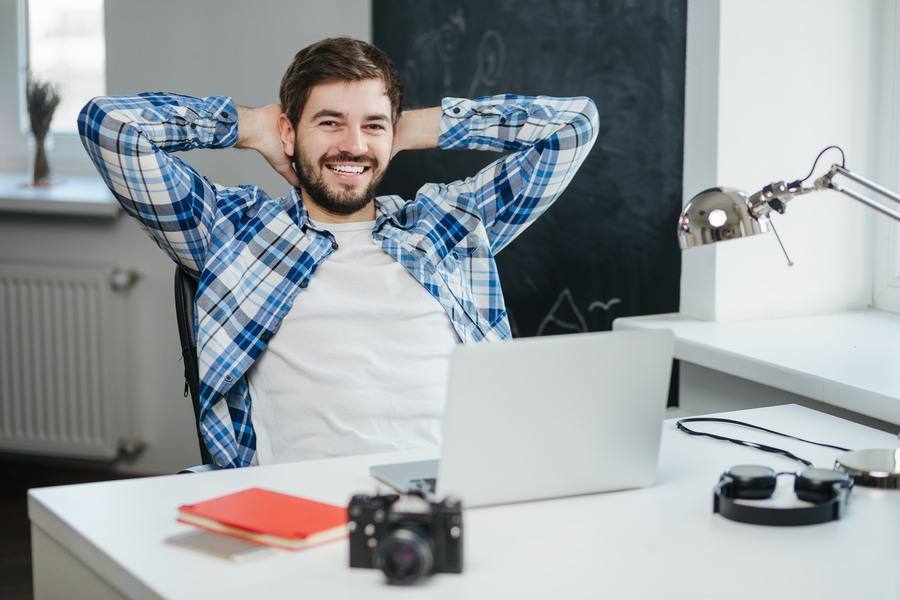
[[325, 318]]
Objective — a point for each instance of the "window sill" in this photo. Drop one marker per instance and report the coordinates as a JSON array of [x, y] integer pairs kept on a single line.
[[72, 196], [848, 360]]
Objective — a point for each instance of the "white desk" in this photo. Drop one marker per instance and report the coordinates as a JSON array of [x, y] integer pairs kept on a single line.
[[105, 540]]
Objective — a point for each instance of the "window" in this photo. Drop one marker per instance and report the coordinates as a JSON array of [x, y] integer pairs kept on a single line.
[[72, 32], [887, 247], [66, 47]]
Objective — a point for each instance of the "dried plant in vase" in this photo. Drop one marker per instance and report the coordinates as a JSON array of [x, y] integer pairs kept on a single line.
[[42, 102]]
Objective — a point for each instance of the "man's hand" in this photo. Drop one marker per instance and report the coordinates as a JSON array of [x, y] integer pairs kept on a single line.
[[258, 130], [417, 130]]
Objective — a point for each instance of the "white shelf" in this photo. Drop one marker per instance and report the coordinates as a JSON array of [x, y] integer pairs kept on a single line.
[[74, 196], [850, 360]]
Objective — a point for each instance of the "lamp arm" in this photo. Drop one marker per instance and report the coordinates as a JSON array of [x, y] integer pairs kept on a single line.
[[825, 182]]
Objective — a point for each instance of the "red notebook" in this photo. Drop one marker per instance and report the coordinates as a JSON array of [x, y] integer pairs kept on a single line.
[[270, 518]]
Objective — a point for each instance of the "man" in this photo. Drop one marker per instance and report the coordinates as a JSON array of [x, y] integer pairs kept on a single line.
[[367, 295]]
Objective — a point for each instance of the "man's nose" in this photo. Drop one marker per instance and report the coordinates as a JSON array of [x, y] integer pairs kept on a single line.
[[353, 142]]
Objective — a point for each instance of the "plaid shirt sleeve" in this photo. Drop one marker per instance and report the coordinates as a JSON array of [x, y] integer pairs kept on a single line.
[[547, 138], [130, 140]]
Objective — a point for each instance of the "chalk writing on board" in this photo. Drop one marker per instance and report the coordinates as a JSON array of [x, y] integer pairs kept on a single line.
[[491, 60], [565, 316], [435, 52]]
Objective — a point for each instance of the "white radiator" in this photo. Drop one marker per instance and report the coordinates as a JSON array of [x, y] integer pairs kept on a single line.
[[63, 361]]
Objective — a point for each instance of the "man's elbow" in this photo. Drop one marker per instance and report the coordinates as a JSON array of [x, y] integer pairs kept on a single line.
[[91, 113], [591, 116]]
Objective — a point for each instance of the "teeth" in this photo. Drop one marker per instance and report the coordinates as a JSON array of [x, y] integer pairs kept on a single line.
[[355, 170]]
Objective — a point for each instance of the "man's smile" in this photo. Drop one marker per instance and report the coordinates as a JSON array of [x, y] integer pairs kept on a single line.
[[354, 169]]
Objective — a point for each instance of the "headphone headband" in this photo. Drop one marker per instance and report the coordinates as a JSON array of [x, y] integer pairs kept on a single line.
[[826, 489]]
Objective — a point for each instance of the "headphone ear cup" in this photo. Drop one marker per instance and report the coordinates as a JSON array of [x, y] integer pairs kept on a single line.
[[751, 482], [819, 485]]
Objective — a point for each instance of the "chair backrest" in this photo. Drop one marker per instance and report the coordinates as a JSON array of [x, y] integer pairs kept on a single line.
[[185, 292]]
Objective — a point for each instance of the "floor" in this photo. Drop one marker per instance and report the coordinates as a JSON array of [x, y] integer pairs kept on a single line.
[[16, 477]]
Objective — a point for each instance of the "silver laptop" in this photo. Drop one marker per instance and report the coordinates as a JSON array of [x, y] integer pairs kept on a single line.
[[548, 417]]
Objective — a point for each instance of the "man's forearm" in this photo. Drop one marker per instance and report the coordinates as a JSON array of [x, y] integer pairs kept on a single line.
[[256, 125], [418, 129], [544, 139], [258, 129]]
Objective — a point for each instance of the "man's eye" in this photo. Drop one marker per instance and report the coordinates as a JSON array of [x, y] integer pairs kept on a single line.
[[328, 124], [376, 127]]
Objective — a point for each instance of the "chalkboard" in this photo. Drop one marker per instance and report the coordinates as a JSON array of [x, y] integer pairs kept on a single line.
[[607, 248]]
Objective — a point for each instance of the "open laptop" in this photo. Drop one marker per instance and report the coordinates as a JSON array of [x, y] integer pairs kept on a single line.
[[548, 417]]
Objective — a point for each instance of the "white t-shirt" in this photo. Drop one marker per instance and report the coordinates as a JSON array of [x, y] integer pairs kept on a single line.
[[358, 365]]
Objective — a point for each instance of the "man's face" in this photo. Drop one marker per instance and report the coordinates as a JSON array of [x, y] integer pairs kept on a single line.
[[342, 146]]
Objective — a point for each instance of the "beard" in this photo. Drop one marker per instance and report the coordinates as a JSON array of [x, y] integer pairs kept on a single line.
[[344, 200]]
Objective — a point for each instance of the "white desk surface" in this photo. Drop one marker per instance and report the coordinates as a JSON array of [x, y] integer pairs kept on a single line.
[[847, 359], [661, 541]]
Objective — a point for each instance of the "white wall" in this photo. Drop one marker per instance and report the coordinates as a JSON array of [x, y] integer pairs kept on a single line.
[[769, 85], [201, 47]]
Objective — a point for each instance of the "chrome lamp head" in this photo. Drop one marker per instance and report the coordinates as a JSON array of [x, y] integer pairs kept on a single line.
[[716, 215]]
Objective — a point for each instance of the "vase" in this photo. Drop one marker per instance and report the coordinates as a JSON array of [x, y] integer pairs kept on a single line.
[[39, 174]]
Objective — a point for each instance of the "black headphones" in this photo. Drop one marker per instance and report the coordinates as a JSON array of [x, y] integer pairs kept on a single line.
[[828, 490]]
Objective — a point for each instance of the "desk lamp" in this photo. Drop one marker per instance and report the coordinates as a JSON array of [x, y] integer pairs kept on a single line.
[[723, 213]]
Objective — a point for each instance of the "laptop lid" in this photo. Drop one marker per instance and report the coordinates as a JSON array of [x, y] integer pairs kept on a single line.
[[553, 416]]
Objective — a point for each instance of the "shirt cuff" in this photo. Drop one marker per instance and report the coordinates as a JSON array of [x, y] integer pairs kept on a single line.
[[217, 125], [488, 123]]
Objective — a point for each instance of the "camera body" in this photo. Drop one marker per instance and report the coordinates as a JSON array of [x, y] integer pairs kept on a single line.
[[407, 537]]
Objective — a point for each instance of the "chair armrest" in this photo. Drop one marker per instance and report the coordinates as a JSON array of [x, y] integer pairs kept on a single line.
[[199, 469]]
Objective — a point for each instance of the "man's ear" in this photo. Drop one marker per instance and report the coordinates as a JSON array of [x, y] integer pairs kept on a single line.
[[288, 134]]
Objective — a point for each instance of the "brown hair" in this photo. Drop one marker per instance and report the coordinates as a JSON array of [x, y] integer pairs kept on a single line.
[[337, 59]]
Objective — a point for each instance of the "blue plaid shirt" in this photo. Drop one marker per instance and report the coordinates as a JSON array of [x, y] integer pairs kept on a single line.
[[253, 254]]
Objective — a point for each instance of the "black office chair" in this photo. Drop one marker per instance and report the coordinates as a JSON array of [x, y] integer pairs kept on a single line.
[[185, 292]]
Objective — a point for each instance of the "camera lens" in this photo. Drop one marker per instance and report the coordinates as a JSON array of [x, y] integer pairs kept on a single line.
[[405, 556]]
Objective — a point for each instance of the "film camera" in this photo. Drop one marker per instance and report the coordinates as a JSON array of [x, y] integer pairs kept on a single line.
[[407, 537]]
